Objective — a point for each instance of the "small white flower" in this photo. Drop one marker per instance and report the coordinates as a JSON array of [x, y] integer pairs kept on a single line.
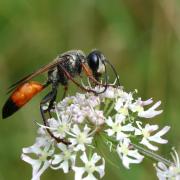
[[93, 100], [66, 102], [127, 155], [80, 139], [110, 93], [43, 138], [147, 131], [42, 162], [138, 105], [118, 105], [121, 108], [90, 167], [123, 102], [96, 117], [126, 97], [172, 172], [60, 126], [82, 107], [118, 128], [151, 112], [65, 159], [78, 115]]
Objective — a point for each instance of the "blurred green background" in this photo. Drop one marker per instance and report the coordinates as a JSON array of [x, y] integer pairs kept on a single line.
[[141, 39]]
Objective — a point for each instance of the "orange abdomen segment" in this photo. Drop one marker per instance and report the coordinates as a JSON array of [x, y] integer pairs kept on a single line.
[[25, 92], [20, 97]]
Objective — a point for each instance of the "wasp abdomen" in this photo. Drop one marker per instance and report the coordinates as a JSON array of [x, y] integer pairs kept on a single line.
[[21, 96]]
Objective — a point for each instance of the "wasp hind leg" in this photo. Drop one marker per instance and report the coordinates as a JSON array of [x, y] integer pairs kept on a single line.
[[65, 92], [50, 97]]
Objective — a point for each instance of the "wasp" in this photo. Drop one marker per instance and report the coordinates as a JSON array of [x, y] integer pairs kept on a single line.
[[63, 68]]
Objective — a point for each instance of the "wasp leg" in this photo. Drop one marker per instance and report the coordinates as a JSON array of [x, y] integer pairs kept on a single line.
[[51, 102], [106, 85], [99, 83], [50, 98], [89, 74], [75, 82], [65, 92]]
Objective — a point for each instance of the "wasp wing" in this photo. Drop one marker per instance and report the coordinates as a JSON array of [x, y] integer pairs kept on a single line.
[[34, 74]]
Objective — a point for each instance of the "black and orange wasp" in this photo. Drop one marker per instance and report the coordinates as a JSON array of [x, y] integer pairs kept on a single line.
[[64, 67]]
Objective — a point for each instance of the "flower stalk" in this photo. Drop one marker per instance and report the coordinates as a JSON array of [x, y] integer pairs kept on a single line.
[[152, 155]]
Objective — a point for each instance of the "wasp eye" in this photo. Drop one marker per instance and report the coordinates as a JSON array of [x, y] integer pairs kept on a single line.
[[93, 61]]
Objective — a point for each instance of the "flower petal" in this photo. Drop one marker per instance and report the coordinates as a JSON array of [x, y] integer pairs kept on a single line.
[[147, 143], [79, 171]]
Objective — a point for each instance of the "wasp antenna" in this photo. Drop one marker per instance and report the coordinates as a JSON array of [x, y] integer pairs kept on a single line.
[[106, 78], [115, 72]]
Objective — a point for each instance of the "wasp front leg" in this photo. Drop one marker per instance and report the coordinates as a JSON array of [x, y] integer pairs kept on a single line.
[[90, 76], [69, 77]]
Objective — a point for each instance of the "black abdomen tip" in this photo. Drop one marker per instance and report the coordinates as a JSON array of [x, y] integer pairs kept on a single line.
[[9, 108]]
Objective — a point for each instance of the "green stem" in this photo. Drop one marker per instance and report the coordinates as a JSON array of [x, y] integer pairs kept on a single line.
[[152, 154], [110, 109], [90, 153], [107, 102], [102, 152]]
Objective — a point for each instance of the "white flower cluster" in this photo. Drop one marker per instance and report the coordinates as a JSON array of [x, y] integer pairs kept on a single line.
[[115, 115]]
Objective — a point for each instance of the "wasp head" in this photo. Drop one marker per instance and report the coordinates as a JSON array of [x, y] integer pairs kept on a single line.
[[96, 61]]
